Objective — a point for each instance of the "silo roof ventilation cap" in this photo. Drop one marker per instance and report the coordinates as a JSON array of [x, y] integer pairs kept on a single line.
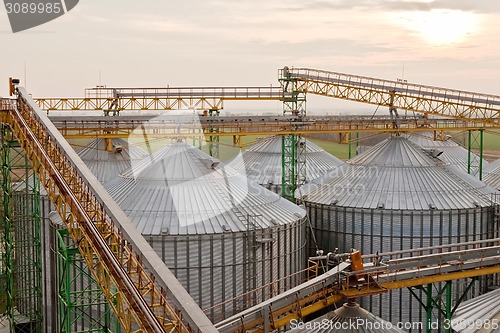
[[164, 230], [211, 163], [434, 152]]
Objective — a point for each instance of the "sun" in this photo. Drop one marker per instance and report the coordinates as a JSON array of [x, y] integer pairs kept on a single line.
[[441, 27]]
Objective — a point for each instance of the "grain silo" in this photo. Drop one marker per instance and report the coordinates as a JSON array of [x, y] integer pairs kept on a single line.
[[262, 162], [451, 151], [107, 158], [220, 234], [394, 197], [492, 174], [350, 317]]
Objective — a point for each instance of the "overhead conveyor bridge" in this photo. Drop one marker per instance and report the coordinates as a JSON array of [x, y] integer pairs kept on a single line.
[[144, 294], [381, 273], [397, 94], [170, 98]]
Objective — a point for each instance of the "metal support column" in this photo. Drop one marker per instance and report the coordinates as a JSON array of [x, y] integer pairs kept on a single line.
[[81, 303], [21, 238], [293, 146], [214, 139], [435, 322], [351, 155], [474, 163], [8, 242]]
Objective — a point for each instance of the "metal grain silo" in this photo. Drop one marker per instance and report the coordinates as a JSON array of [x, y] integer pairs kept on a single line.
[[220, 234], [452, 152], [107, 158], [492, 174], [351, 317], [262, 162], [394, 197]]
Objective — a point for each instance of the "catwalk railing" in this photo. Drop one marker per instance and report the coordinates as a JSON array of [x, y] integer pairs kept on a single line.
[[382, 273], [143, 293], [397, 94]]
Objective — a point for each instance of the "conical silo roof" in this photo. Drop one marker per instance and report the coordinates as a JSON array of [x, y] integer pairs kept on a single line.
[[492, 174], [107, 164], [479, 314], [452, 152], [262, 162], [398, 174], [348, 318], [181, 190]]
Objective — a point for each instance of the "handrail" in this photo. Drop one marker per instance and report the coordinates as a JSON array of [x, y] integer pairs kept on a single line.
[[397, 94], [139, 287]]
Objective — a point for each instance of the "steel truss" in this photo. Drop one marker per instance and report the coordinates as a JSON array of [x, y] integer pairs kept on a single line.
[[293, 150], [136, 284], [441, 305], [475, 162], [21, 239], [82, 306]]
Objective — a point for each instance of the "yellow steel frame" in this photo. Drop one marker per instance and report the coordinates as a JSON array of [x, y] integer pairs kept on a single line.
[[399, 94], [110, 258], [331, 295], [404, 269], [198, 98], [124, 129]]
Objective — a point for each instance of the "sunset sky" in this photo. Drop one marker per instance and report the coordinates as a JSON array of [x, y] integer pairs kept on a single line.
[[448, 43]]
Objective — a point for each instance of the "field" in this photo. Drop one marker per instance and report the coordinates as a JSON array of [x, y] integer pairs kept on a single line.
[[228, 150]]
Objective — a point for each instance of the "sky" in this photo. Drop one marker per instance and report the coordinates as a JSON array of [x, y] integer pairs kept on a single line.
[[154, 43]]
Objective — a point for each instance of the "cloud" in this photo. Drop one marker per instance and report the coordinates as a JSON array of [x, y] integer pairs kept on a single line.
[[160, 24], [393, 5]]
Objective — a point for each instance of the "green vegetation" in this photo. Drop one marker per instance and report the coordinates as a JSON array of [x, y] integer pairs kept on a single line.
[[339, 150], [228, 150], [491, 139]]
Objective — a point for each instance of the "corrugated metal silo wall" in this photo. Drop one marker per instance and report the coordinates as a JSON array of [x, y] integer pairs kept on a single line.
[[372, 230], [215, 269]]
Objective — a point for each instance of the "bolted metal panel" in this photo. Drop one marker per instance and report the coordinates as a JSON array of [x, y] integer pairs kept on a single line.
[[262, 162], [213, 273]]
